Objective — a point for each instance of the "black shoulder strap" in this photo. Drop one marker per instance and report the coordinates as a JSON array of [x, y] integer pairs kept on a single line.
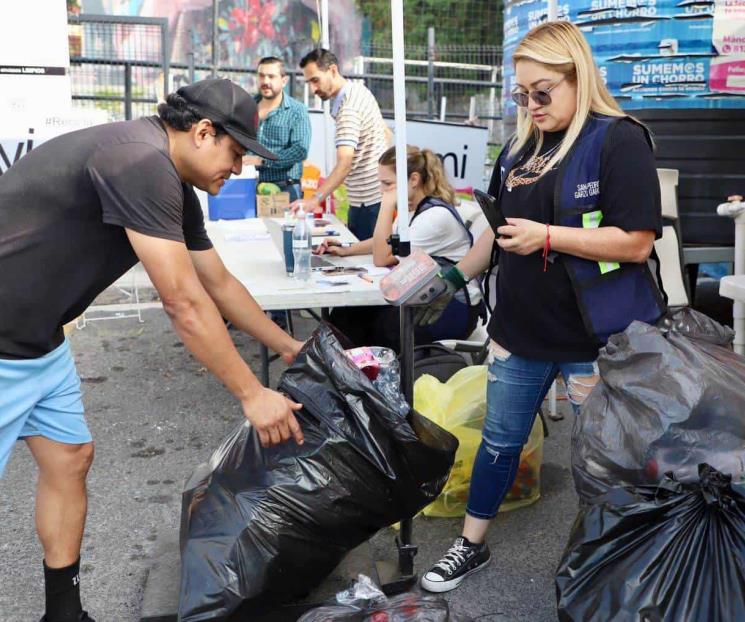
[[431, 202]]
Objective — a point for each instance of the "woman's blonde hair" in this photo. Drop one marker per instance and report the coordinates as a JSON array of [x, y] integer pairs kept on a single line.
[[429, 166], [561, 47]]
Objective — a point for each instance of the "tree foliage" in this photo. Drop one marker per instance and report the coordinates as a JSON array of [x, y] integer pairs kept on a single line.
[[463, 22]]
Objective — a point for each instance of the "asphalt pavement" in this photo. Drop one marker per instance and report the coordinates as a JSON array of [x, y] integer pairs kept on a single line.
[[155, 413]]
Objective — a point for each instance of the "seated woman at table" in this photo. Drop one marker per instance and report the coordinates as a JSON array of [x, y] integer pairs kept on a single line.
[[435, 227]]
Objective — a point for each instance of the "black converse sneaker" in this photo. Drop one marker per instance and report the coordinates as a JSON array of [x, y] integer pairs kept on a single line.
[[462, 559]]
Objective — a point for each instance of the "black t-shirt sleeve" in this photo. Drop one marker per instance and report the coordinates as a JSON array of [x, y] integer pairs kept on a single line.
[[195, 234], [629, 187], [139, 189]]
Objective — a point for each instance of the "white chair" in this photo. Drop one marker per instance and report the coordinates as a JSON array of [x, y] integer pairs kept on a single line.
[[669, 248], [475, 344]]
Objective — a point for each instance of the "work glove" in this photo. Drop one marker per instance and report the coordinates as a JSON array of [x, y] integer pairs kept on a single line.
[[454, 280]]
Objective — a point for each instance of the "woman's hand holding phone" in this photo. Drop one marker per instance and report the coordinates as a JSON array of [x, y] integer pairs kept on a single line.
[[522, 236]]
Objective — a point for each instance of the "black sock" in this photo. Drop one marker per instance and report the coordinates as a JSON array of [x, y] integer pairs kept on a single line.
[[62, 591]]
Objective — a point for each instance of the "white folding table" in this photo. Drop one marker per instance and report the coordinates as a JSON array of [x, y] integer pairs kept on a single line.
[[249, 253]]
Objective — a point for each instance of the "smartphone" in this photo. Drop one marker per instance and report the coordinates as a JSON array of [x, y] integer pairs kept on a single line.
[[489, 206]]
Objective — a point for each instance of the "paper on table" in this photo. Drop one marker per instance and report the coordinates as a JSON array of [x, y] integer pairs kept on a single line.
[[291, 284], [332, 288], [246, 236], [312, 287], [335, 278], [373, 270]]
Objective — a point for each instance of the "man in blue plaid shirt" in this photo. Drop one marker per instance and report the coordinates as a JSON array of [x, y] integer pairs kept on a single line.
[[284, 129]]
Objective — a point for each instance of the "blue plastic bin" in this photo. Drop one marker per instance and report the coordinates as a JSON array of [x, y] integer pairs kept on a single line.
[[237, 199]]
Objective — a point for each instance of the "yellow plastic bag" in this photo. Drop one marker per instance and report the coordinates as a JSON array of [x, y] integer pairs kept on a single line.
[[459, 406]]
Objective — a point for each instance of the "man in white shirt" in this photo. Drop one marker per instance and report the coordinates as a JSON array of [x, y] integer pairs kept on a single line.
[[361, 137]]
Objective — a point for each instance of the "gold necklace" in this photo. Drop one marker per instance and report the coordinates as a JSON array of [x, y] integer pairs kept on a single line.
[[529, 172]]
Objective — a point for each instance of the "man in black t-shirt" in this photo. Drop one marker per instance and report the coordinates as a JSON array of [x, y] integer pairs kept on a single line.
[[77, 213]]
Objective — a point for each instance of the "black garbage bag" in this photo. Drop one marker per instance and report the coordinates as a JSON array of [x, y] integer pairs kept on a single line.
[[670, 397], [264, 526], [668, 553]]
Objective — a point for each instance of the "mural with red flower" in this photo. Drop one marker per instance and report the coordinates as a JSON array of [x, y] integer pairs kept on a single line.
[[247, 29], [248, 24]]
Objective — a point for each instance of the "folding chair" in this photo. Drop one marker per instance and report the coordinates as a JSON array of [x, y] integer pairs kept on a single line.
[[669, 248]]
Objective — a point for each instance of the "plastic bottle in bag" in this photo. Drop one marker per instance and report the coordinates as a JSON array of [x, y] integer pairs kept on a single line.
[[380, 365], [388, 380]]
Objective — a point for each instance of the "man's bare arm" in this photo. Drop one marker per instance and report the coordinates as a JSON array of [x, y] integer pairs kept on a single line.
[[197, 321], [237, 305]]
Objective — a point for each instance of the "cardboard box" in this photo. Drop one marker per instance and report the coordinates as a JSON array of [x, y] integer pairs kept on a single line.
[[272, 205]]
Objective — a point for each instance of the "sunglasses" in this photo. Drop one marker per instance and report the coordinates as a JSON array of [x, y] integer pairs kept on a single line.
[[540, 97]]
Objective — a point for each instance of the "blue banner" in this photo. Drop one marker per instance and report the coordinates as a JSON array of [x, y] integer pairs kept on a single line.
[[651, 53]]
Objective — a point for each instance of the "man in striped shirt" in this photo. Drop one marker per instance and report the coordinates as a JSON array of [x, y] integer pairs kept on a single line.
[[361, 138], [284, 129]]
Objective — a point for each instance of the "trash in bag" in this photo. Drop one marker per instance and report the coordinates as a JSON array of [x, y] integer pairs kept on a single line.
[[381, 366], [669, 397], [364, 602], [664, 553], [459, 406], [388, 381], [263, 526]]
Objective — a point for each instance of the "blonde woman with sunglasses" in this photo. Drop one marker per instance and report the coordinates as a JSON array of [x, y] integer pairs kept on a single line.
[[578, 187]]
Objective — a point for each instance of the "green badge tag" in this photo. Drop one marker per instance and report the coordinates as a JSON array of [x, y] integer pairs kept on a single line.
[[591, 220], [608, 266]]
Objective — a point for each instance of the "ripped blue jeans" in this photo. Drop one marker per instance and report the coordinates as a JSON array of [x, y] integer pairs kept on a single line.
[[515, 390]]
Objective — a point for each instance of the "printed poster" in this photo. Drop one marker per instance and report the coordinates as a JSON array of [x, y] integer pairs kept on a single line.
[[727, 72]]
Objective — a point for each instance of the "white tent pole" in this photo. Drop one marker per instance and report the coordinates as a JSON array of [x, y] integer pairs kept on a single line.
[[399, 107], [328, 125], [325, 24], [553, 10]]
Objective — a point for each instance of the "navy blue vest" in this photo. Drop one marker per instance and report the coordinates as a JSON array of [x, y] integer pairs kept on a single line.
[[609, 295], [430, 202]]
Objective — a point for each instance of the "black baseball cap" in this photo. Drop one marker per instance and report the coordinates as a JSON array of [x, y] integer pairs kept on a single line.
[[224, 102]]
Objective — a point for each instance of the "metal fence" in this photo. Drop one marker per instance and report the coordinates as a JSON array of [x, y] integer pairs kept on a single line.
[[121, 64], [459, 83]]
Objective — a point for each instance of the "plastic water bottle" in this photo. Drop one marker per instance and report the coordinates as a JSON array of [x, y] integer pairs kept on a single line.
[[301, 241], [388, 381]]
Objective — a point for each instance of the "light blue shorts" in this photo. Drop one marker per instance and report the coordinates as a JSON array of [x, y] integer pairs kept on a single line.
[[41, 397]]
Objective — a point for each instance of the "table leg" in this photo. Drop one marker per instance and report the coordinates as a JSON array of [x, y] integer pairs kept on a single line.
[[406, 550], [692, 270], [290, 326], [264, 364]]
